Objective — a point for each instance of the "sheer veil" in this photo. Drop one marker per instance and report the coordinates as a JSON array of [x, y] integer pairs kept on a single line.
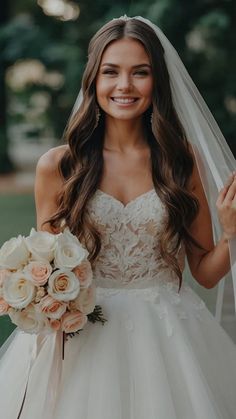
[[214, 158]]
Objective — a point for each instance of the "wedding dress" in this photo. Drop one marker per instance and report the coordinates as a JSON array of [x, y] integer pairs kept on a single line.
[[160, 355]]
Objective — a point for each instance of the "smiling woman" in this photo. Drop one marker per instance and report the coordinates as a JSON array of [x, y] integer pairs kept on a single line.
[[128, 185]]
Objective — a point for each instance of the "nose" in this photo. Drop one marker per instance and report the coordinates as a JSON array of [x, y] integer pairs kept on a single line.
[[124, 82]]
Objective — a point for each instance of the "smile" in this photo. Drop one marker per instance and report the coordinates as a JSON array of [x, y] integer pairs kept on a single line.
[[124, 100]]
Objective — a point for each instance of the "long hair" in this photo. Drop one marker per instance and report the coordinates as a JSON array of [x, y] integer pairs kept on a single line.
[[172, 161]]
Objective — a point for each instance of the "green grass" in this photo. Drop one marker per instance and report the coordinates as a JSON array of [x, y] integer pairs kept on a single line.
[[17, 216]]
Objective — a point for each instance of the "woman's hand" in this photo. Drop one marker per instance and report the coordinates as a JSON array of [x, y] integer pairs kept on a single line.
[[226, 206]]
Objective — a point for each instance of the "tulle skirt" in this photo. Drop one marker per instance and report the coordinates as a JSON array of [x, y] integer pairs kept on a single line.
[[160, 355]]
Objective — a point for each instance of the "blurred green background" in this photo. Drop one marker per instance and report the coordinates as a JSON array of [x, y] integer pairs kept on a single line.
[[43, 48]]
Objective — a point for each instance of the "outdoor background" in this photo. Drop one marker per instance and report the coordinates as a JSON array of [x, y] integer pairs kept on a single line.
[[43, 49]]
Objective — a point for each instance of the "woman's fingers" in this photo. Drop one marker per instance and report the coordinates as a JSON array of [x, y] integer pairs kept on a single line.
[[231, 192], [226, 206], [229, 188], [224, 190]]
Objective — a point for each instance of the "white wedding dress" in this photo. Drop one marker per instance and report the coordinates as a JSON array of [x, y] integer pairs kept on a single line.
[[160, 355]]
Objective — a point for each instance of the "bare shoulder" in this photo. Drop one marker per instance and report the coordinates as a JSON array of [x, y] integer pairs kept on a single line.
[[48, 163], [48, 184]]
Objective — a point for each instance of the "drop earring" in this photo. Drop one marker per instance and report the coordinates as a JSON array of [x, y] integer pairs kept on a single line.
[[151, 118], [98, 114]]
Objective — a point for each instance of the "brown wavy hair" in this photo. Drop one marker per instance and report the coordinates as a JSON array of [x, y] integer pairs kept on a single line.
[[171, 157]]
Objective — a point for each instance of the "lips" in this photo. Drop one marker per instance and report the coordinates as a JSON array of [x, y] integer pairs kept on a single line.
[[124, 100]]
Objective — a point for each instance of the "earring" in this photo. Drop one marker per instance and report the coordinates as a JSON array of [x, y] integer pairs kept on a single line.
[[151, 118], [98, 114]]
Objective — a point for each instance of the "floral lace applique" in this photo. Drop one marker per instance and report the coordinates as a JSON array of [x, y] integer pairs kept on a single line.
[[130, 261], [130, 238]]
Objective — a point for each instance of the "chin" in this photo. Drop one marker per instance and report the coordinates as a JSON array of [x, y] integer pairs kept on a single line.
[[130, 118], [124, 117]]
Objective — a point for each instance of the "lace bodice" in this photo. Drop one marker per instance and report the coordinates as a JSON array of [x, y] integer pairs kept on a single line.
[[130, 255]]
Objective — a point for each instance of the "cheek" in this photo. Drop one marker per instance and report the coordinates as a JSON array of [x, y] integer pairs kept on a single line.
[[102, 87], [147, 89]]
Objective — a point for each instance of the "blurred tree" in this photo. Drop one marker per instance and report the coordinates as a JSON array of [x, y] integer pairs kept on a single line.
[[5, 163]]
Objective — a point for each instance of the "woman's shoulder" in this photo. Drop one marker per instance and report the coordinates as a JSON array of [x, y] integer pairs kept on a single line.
[[48, 183], [48, 163], [48, 175]]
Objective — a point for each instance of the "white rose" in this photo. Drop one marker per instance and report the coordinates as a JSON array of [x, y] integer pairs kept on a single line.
[[69, 252], [30, 320], [85, 302], [14, 253], [4, 273], [41, 245], [18, 290], [63, 285]]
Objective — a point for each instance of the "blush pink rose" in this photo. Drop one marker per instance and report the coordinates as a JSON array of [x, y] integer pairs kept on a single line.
[[55, 324], [84, 273], [85, 302], [71, 322], [52, 308], [39, 271], [63, 285], [4, 307]]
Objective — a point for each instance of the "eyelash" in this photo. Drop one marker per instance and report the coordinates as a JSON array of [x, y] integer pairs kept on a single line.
[[112, 72]]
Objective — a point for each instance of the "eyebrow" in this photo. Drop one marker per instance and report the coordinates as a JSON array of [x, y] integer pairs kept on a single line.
[[134, 66]]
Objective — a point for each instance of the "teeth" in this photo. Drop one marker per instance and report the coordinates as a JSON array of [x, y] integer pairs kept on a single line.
[[123, 100]]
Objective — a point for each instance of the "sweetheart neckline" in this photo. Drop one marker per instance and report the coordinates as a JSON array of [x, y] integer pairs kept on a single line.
[[128, 203]]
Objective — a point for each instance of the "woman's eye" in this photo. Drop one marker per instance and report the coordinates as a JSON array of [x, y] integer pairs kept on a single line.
[[141, 73], [108, 72]]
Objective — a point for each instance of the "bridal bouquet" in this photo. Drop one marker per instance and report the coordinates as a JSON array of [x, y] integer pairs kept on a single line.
[[46, 283]]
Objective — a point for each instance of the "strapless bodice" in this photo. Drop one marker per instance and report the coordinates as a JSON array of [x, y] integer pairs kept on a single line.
[[130, 237]]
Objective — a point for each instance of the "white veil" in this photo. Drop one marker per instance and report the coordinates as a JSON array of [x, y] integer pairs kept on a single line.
[[213, 156], [214, 159]]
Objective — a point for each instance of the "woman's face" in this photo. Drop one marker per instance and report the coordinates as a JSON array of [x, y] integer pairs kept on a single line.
[[124, 82]]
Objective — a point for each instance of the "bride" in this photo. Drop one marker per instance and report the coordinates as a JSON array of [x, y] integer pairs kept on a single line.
[[137, 182]]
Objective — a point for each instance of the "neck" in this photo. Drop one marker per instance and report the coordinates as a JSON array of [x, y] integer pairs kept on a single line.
[[122, 135]]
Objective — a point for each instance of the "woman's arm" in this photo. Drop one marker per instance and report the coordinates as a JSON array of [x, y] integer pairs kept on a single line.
[[48, 183], [210, 265]]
